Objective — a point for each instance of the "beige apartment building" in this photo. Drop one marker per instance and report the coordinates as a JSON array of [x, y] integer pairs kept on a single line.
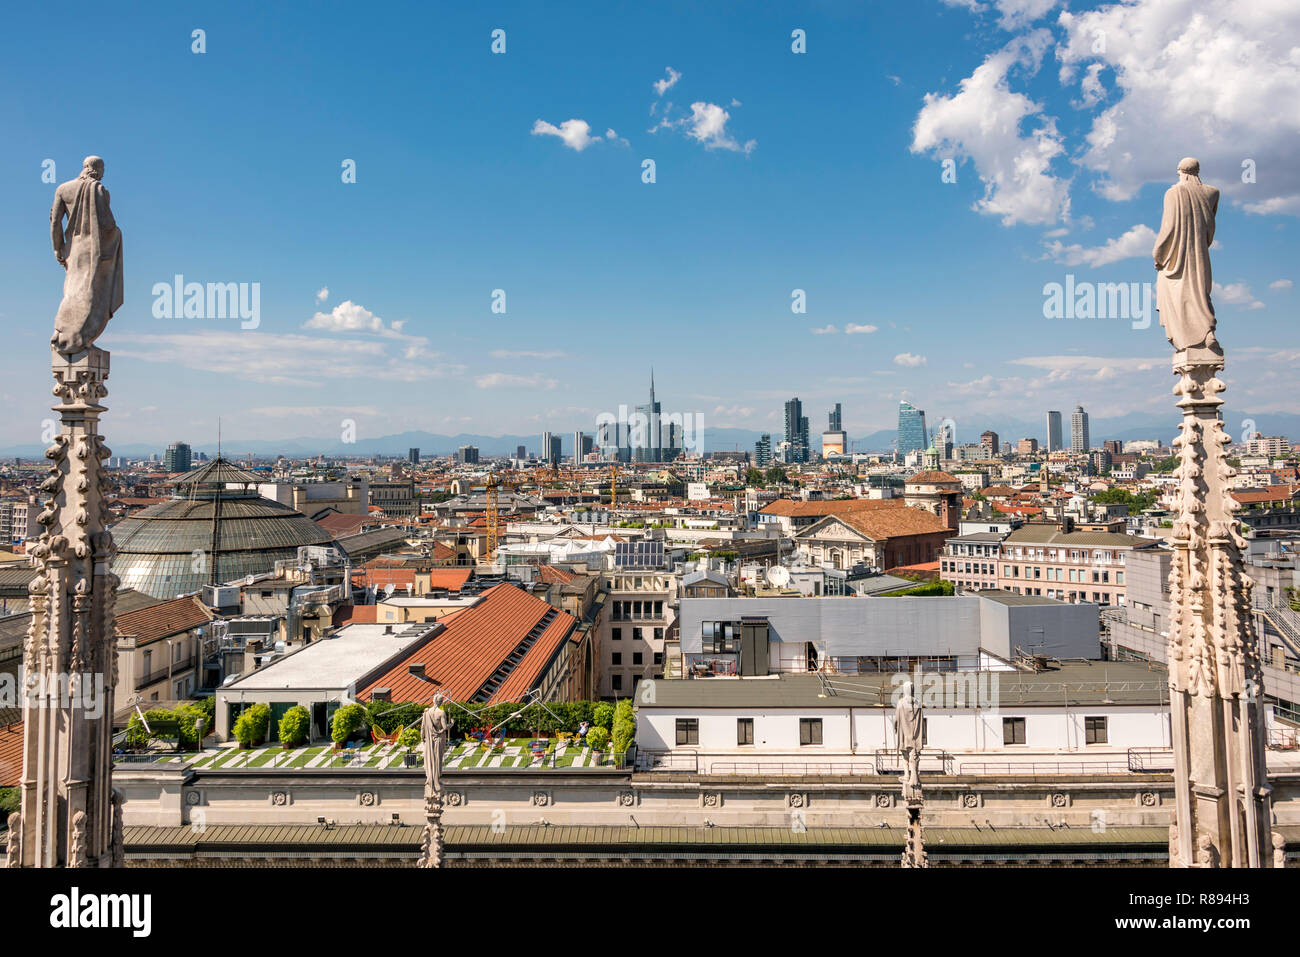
[[1054, 561], [970, 562], [632, 632]]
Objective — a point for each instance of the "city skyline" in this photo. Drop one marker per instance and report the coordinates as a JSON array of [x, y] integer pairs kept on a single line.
[[380, 333]]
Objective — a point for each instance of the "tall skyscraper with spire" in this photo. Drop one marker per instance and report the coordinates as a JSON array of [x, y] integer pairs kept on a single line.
[[648, 447]]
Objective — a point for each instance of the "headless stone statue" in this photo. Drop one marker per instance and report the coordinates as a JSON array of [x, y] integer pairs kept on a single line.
[[14, 849], [908, 724], [1182, 259], [89, 247]]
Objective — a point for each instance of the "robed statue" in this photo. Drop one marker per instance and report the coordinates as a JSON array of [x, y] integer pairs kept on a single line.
[[89, 247], [1182, 258], [435, 728], [908, 724]]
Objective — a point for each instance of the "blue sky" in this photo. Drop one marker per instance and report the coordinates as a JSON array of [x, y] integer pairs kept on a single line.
[[775, 171]]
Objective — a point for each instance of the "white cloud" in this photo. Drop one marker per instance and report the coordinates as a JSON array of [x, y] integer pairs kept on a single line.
[[983, 122], [1222, 80], [853, 329], [1235, 294], [1280, 284], [349, 316], [262, 357], [828, 330], [576, 134], [1012, 14], [667, 83], [1138, 241], [909, 359], [708, 125], [322, 293], [504, 380]]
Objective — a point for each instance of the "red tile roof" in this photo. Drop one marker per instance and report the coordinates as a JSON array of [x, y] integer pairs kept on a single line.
[[11, 754], [933, 477], [895, 522], [556, 576], [162, 620], [355, 615], [337, 524], [790, 507], [474, 644]]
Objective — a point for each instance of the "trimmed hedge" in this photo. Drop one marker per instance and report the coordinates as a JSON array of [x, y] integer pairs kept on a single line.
[[624, 726]]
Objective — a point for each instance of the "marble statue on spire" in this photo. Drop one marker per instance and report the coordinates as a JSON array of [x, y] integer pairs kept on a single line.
[[88, 245], [1182, 258]]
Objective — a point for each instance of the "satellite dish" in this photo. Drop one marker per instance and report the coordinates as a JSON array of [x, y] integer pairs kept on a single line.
[[778, 576]]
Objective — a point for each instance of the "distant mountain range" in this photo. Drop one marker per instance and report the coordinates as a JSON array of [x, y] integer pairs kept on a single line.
[[1132, 426]]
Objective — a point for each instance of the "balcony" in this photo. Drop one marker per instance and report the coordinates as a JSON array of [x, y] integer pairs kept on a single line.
[[174, 670]]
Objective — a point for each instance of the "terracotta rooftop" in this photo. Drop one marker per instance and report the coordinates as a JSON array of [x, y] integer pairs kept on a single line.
[[895, 522], [795, 509], [339, 524], [355, 615], [11, 754], [476, 644], [556, 576], [162, 620], [933, 477]]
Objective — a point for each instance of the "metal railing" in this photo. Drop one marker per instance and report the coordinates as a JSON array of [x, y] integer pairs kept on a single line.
[[651, 760], [1284, 739], [1031, 768], [889, 761], [1150, 759], [791, 768]]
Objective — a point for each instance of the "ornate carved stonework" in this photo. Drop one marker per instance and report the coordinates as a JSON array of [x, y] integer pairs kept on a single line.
[[70, 654], [1221, 788]]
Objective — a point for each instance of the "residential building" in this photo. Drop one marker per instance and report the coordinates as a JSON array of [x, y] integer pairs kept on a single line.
[[177, 457], [1080, 441], [1054, 432], [1055, 561], [989, 443], [970, 561], [796, 431], [1027, 447], [160, 652], [631, 637]]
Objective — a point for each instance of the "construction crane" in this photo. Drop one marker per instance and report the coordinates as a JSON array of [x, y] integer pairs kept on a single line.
[[494, 484]]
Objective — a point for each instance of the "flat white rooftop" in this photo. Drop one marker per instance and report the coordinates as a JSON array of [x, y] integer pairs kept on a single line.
[[337, 662], [427, 602]]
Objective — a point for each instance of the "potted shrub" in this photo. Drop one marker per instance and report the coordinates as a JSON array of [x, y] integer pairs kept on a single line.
[[347, 719], [602, 716], [410, 738], [294, 727], [597, 738], [251, 725]]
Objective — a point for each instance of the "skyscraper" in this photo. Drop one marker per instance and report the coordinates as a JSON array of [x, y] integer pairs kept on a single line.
[[796, 430], [550, 448], [911, 428], [177, 458], [413, 456], [834, 441], [650, 448], [1053, 431], [1079, 440], [763, 451]]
